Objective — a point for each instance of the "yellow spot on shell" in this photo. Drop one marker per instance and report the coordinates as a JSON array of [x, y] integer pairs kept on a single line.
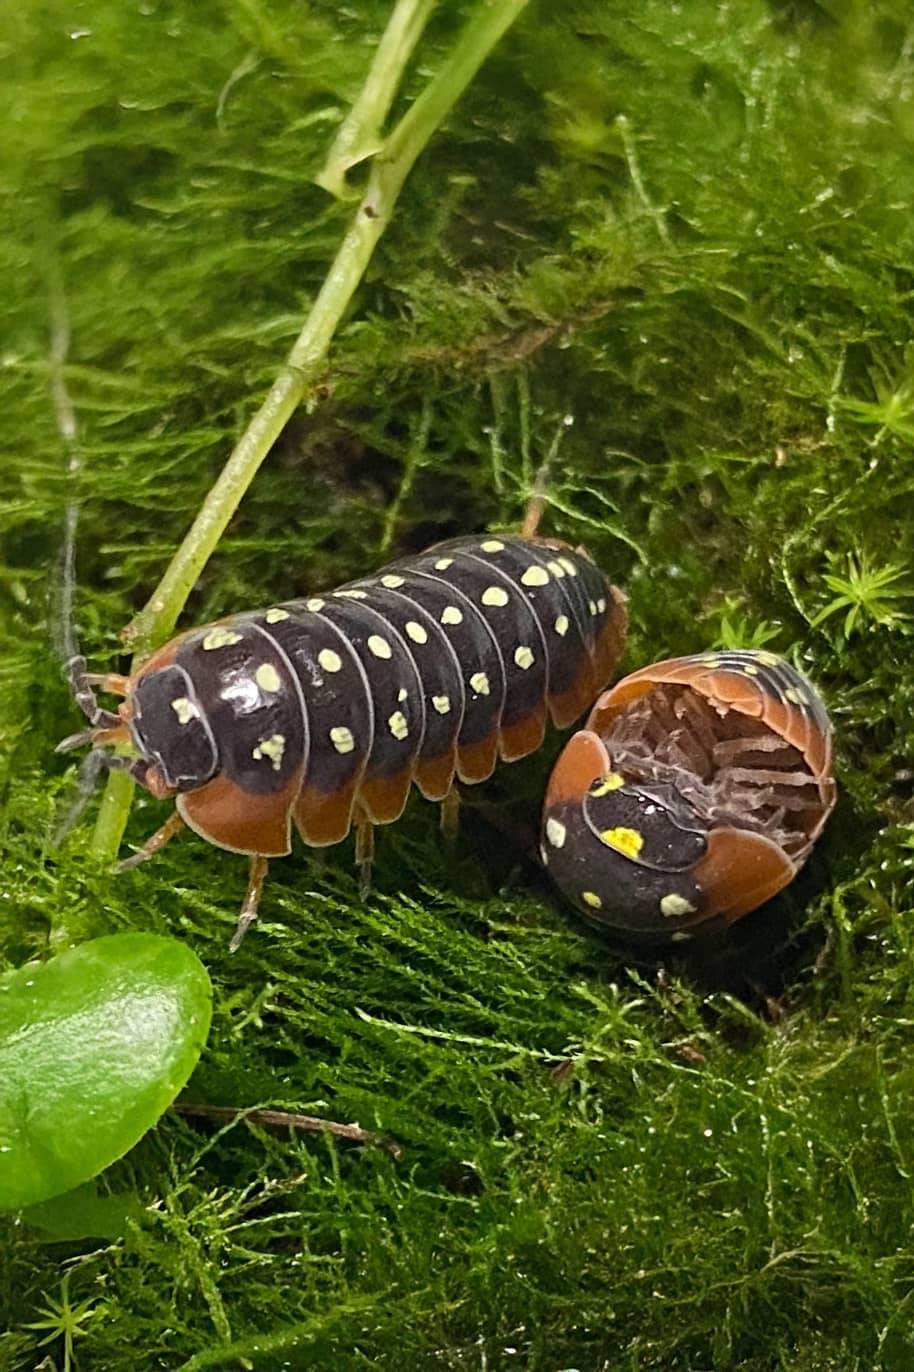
[[495, 595], [185, 709], [556, 568], [626, 841], [442, 704], [275, 615], [379, 646], [398, 725], [556, 832], [451, 615], [795, 697], [569, 566], [535, 576], [524, 658], [267, 677], [768, 659], [352, 595], [329, 660], [315, 604], [492, 545], [592, 899], [750, 669], [479, 683], [342, 739], [561, 625], [443, 563], [391, 582], [601, 604], [220, 638], [673, 905], [611, 782], [416, 632], [273, 748]]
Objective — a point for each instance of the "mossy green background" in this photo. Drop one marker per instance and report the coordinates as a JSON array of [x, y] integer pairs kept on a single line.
[[690, 228]]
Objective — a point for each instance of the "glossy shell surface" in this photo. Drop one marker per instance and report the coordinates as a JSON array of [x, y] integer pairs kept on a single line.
[[693, 794]]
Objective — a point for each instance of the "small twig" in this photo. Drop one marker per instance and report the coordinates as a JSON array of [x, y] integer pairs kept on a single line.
[[282, 1119], [360, 134]]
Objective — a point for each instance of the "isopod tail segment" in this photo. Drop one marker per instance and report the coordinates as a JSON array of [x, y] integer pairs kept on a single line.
[[693, 794], [322, 713]]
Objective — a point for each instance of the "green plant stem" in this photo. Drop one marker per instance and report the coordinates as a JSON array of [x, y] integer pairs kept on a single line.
[[360, 135], [389, 170]]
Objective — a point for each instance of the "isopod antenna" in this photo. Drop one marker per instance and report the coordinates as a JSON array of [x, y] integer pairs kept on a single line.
[[62, 593]]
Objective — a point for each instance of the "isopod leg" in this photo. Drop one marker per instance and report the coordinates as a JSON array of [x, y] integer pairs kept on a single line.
[[450, 815], [257, 876], [364, 853], [155, 843]]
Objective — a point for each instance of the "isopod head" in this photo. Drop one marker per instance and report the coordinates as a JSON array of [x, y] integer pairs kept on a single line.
[[693, 795]]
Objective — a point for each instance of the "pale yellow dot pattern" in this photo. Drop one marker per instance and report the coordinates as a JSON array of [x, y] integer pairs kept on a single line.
[[569, 566], [479, 683], [185, 709], [451, 615], [276, 615], [273, 748], [794, 696], [220, 638], [535, 576], [629, 842], [524, 658], [613, 781], [391, 581], [443, 563], [352, 595], [556, 568], [592, 606], [416, 632], [315, 604], [601, 605], [329, 660], [397, 725], [673, 906], [750, 669], [592, 899], [495, 596], [342, 739], [379, 647], [492, 545], [768, 659], [267, 677], [556, 833], [561, 625], [442, 704]]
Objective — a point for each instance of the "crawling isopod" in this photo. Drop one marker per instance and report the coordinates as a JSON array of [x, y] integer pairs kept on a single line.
[[693, 794], [324, 711]]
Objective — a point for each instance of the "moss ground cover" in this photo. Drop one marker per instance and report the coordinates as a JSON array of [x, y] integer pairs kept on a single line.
[[687, 229]]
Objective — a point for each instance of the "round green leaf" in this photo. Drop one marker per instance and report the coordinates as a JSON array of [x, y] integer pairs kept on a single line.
[[94, 1046]]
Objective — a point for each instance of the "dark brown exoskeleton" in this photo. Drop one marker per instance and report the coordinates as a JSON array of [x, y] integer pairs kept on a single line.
[[323, 712], [693, 794]]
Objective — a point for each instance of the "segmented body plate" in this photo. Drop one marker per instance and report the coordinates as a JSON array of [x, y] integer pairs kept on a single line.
[[331, 706], [694, 793]]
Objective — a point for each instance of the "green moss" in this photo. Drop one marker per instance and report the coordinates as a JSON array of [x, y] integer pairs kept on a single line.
[[692, 229]]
